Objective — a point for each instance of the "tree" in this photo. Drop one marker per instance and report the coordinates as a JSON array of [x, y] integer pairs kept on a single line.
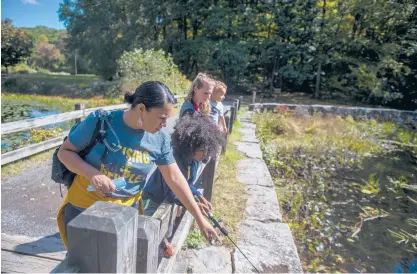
[[46, 56], [344, 49], [16, 44], [101, 30], [43, 38]]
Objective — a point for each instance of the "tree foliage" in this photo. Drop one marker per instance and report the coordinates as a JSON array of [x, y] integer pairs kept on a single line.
[[356, 50], [16, 44], [139, 65]]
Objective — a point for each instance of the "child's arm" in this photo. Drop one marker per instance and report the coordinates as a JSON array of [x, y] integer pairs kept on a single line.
[[223, 122]]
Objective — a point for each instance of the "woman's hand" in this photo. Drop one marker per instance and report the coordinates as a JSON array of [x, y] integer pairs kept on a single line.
[[208, 231], [101, 183]]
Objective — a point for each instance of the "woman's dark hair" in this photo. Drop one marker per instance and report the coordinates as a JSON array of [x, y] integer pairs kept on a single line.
[[194, 133], [152, 94]]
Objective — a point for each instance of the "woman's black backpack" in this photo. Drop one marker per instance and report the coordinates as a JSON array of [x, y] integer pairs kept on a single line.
[[63, 176]]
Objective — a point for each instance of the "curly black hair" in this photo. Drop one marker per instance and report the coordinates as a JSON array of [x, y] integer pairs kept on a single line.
[[196, 132]]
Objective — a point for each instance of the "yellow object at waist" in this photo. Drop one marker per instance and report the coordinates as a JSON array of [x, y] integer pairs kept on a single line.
[[79, 196]]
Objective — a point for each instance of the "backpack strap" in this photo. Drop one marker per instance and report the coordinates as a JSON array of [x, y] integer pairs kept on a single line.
[[99, 134]]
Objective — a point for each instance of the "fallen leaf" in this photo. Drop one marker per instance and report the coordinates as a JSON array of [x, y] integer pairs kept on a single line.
[[340, 260]]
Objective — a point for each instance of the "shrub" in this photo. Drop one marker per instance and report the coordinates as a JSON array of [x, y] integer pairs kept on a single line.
[[139, 65]]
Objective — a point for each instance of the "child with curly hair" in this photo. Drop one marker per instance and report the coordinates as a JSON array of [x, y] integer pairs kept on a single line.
[[194, 140]]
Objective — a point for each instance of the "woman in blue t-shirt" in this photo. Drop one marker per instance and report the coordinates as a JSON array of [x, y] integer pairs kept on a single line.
[[133, 143]]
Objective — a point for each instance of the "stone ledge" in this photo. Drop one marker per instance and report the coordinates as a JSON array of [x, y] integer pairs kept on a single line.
[[248, 135], [262, 204], [269, 246], [211, 259], [251, 150], [254, 172], [261, 235]]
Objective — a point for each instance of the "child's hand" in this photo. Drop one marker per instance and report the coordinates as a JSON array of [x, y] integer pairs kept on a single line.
[[205, 202], [204, 209], [225, 130]]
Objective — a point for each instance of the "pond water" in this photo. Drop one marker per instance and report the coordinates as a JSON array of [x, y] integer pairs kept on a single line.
[[347, 189], [15, 111], [373, 248]]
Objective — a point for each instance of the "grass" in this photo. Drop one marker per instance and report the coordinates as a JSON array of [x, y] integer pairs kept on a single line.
[[314, 134], [229, 196], [57, 102], [60, 79], [17, 167]]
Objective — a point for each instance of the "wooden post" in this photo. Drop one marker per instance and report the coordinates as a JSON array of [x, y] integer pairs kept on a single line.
[[79, 106], [208, 178], [227, 120], [147, 244], [237, 101], [103, 239], [163, 215], [253, 96], [232, 117]]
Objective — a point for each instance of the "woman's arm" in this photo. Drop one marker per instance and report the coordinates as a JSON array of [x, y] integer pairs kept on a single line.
[[179, 185], [68, 155]]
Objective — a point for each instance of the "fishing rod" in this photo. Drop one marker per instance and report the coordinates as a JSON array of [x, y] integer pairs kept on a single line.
[[225, 233]]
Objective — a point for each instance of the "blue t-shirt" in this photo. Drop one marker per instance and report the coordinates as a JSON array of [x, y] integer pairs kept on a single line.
[[217, 110], [157, 189], [136, 153]]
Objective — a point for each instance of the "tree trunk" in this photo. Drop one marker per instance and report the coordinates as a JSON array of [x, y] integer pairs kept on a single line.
[[320, 55], [317, 92], [274, 69], [185, 28], [164, 32]]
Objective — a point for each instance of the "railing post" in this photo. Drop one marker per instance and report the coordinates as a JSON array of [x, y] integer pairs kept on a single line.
[[147, 244], [208, 178], [237, 102], [103, 239], [227, 120], [253, 96], [232, 117], [79, 106]]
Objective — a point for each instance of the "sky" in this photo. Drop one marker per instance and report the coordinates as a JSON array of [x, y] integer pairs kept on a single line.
[[32, 13]]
